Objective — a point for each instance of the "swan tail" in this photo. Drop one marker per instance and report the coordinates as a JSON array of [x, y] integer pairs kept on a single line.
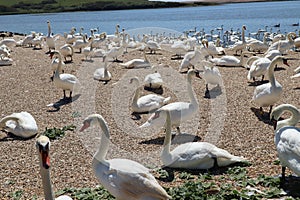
[[166, 100]]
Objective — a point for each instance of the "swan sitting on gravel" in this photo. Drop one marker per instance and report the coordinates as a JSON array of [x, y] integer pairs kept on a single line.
[[180, 111], [63, 81], [5, 61], [287, 138], [148, 102], [153, 81], [137, 63], [102, 74], [20, 124], [123, 178], [43, 148], [194, 155]]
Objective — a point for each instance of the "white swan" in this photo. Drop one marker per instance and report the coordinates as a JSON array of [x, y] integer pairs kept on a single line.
[[272, 54], [212, 49], [194, 155], [50, 39], [153, 80], [67, 51], [190, 59], [81, 43], [114, 52], [88, 50], [5, 61], [137, 62], [43, 148], [258, 68], [259, 46], [211, 75], [297, 71], [54, 65], [20, 124], [240, 45], [102, 74], [229, 61], [123, 178], [148, 102], [287, 138], [269, 93], [65, 82], [180, 111], [284, 45]]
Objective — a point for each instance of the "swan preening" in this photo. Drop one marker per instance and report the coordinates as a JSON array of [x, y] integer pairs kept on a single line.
[[147, 103], [180, 111], [123, 178], [287, 137], [194, 155], [66, 82], [43, 149], [20, 124], [269, 93]]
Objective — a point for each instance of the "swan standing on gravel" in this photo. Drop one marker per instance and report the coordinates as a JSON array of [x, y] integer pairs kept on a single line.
[[269, 93], [43, 148], [258, 68], [211, 75], [81, 43], [137, 63], [287, 138], [63, 81], [180, 111], [190, 59], [194, 155], [123, 178], [20, 124], [50, 39], [148, 102], [102, 74], [67, 51], [240, 45], [284, 45]]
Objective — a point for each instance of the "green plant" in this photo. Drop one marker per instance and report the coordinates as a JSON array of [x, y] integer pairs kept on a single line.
[[56, 133]]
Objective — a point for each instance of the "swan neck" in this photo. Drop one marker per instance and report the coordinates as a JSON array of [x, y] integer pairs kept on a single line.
[[167, 140], [5, 119], [190, 90], [58, 69], [271, 72], [105, 139], [105, 70], [243, 35], [49, 30], [136, 93], [291, 121], [47, 185]]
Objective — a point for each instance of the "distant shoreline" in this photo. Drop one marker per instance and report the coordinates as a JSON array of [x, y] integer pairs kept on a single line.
[[52, 6]]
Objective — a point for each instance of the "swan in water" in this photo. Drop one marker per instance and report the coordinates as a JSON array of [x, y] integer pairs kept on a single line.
[[194, 155], [43, 148], [180, 111], [287, 137], [123, 178], [137, 62], [148, 102], [21, 124], [269, 93], [102, 74], [63, 81], [50, 39]]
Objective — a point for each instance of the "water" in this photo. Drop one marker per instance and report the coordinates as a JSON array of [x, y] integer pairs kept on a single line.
[[232, 16]]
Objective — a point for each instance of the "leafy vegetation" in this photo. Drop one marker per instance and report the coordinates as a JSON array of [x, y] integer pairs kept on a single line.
[[41, 6], [56, 133]]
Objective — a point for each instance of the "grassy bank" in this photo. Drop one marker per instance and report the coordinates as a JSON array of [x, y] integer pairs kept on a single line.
[[42, 6]]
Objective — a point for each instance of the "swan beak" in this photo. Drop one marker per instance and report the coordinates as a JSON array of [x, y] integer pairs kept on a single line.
[[197, 72], [51, 55], [44, 151], [84, 126]]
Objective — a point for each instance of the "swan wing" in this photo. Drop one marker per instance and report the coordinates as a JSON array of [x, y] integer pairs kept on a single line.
[[288, 147], [69, 78]]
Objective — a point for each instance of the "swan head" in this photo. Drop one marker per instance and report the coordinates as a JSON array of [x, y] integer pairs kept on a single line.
[[89, 121], [43, 147], [278, 111], [52, 53], [134, 80], [244, 27]]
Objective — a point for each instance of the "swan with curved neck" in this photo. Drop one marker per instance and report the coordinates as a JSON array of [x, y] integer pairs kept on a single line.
[[148, 102], [194, 155], [180, 111], [269, 93], [230, 61], [66, 82], [20, 124], [287, 138], [137, 62], [43, 147], [123, 178], [102, 74]]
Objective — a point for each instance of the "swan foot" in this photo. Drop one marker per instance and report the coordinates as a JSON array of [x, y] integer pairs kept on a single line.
[[178, 130], [261, 112], [262, 78]]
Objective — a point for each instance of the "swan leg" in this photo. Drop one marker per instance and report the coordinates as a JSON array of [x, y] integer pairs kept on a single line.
[[261, 112], [282, 175], [262, 78], [178, 130], [271, 106], [65, 94]]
